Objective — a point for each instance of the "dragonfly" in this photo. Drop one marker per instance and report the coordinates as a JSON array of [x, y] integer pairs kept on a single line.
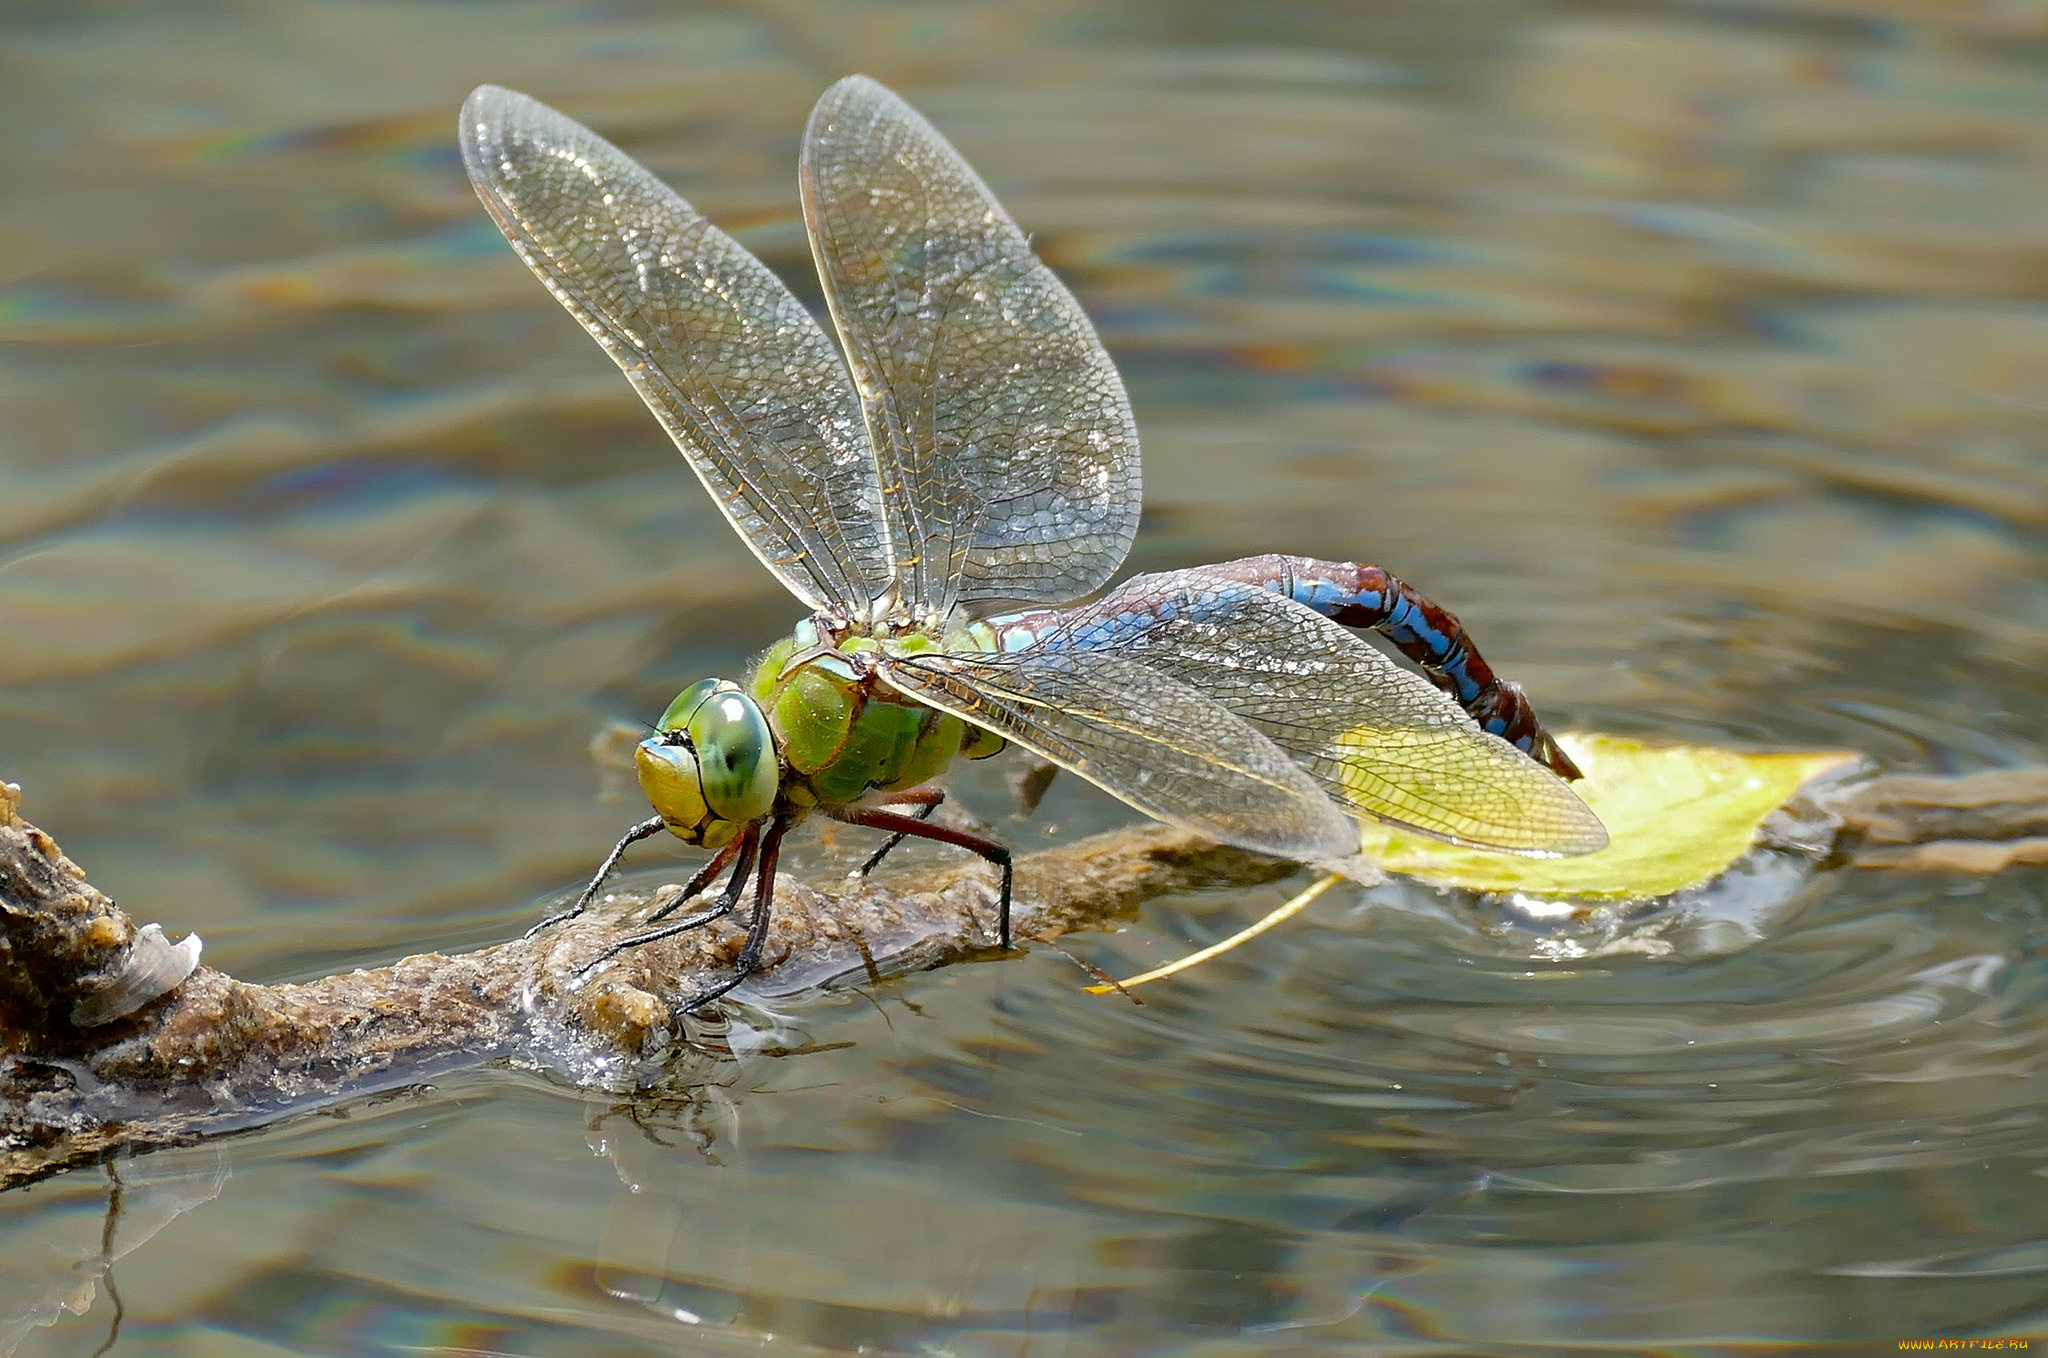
[[966, 448]]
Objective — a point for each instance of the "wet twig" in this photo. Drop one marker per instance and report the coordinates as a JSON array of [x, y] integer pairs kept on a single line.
[[216, 1054], [1981, 824]]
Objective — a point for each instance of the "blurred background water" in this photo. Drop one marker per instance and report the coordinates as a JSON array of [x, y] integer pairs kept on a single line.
[[1694, 353]]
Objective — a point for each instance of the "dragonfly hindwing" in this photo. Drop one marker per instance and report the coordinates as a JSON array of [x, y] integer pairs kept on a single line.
[[1009, 459], [1381, 740], [1148, 738]]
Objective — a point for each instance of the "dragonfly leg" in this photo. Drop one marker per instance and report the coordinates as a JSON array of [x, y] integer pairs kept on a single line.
[[926, 799], [703, 879], [881, 818], [1367, 596], [744, 847], [645, 829], [757, 931]]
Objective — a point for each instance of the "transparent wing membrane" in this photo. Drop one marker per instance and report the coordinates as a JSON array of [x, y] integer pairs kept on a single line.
[[1378, 739], [1149, 739], [1009, 460], [736, 370], [984, 450]]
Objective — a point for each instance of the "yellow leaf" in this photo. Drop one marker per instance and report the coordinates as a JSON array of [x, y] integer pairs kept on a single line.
[[1676, 815]]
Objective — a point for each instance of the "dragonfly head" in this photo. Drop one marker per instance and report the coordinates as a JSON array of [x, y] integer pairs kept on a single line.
[[710, 767]]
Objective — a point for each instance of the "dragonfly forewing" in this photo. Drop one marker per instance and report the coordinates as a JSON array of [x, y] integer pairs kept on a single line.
[[1009, 458], [1378, 739], [742, 377], [1147, 738]]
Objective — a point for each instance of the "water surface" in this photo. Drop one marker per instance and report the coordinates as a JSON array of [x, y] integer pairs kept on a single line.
[[1695, 355]]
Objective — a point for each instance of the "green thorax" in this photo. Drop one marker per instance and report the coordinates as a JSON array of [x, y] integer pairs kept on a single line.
[[842, 734]]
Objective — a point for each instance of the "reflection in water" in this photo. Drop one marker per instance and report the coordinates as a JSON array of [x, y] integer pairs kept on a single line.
[[1691, 355], [1395, 1137], [53, 1272]]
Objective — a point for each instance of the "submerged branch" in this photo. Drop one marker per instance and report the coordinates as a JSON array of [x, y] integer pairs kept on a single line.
[[107, 1044], [1980, 824]]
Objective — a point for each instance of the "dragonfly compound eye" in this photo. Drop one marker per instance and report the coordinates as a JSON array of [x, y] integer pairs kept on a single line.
[[685, 706], [735, 755], [669, 777]]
